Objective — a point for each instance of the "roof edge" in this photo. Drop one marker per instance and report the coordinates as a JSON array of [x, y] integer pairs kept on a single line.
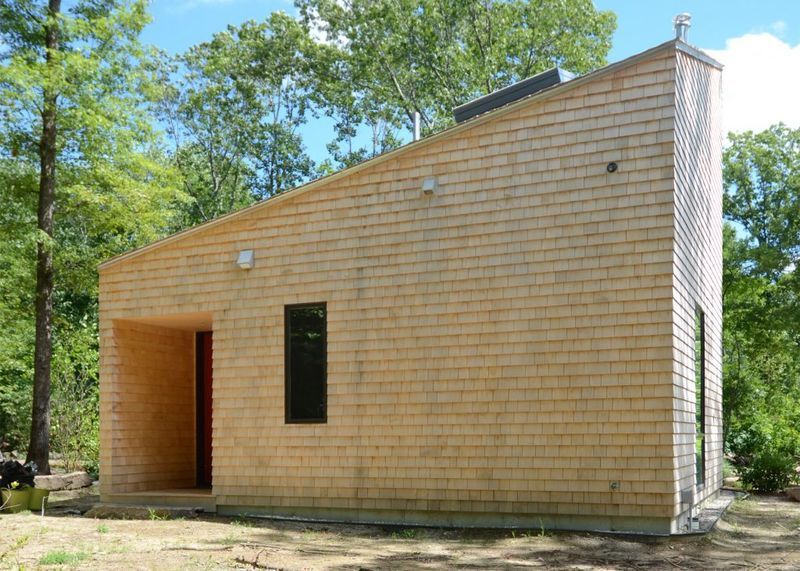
[[698, 53], [409, 147]]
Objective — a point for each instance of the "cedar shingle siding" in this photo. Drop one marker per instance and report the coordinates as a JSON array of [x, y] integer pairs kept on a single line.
[[697, 264], [498, 353]]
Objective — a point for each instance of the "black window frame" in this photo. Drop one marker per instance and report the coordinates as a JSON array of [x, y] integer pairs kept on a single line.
[[287, 332], [700, 419]]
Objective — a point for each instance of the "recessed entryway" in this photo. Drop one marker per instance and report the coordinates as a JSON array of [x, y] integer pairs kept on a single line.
[[163, 427]]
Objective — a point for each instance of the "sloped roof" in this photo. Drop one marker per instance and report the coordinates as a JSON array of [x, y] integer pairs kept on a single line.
[[453, 130]]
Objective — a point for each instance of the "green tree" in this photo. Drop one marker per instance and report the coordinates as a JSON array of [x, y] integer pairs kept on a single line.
[[17, 286], [762, 180], [761, 287], [234, 110], [75, 136], [380, 61]]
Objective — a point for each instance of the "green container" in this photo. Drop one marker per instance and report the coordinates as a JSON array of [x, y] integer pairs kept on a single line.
[[37, 497], [14, 501]]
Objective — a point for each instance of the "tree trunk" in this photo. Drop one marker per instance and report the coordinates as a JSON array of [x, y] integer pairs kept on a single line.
[[39, 447]]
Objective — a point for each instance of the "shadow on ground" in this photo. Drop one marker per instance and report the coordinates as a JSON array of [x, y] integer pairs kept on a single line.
[[763, 532]]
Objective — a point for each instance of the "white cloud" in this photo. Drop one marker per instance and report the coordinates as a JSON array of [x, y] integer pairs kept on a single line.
[[760, 82]]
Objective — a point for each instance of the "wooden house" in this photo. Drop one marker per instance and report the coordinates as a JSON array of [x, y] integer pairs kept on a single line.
[[514, 322]]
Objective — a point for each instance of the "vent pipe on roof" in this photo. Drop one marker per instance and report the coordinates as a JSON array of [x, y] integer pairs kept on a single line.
[[682, 23], [417, 122]]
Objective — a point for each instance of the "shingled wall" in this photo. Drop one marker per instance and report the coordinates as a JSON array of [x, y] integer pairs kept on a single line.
[[698, 266], [498, 353]]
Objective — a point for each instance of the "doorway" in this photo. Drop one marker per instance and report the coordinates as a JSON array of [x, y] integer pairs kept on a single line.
[[204, 369]]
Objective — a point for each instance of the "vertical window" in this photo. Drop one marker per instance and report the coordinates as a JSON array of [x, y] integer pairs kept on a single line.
[[700, 396], [306, 362]]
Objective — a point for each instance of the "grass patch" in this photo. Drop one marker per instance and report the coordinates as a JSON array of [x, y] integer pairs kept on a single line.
[[157, 515], [63, 557], [410, 533], [102, 528], [242, 523]]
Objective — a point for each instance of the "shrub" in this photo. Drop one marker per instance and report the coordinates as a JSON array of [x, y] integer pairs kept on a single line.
[[766, 451], [769, 471], [75, 401], [15, 413], [16, 378]]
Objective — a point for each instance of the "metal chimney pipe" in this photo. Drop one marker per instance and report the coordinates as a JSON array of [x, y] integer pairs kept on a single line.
[[417, 123], [682, 23]]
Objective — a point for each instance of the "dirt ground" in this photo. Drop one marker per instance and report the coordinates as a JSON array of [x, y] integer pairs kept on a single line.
[[762, 532]]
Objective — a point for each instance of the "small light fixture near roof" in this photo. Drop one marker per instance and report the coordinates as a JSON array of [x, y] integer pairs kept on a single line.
[[429, 185], [245, 259]]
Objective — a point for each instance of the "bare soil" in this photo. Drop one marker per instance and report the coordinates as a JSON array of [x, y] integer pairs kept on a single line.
[[762, 532]]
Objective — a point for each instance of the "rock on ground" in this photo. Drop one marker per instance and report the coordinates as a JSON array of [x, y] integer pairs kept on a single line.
[[71, 481]]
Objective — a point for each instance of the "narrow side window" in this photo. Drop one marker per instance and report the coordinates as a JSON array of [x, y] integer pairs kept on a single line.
[[700, 395], [306, 362]]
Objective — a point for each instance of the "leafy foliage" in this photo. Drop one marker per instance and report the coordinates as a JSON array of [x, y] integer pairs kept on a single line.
[[114, 189], [380, 61], [75, 418], [762, 175], [761, 309], [768, 450], [233, 112], [17, 263]]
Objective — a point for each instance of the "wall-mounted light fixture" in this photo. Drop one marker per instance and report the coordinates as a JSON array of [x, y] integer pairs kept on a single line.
[[245, 259], [429, 185]]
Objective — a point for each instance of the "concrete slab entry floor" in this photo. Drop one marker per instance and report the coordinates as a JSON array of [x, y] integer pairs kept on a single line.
[[168, 498]]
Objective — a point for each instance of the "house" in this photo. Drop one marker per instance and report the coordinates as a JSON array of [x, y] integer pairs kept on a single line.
[[514, 322]]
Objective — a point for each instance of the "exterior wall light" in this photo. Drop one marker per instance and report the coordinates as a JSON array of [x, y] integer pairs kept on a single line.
[[429, 185], [245, 259]]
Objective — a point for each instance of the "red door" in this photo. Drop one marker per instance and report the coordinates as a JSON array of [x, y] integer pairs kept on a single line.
[[205, 362]]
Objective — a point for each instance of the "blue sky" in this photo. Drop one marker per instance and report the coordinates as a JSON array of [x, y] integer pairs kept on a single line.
[[759, 43], [178, 24], [644, 23]]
